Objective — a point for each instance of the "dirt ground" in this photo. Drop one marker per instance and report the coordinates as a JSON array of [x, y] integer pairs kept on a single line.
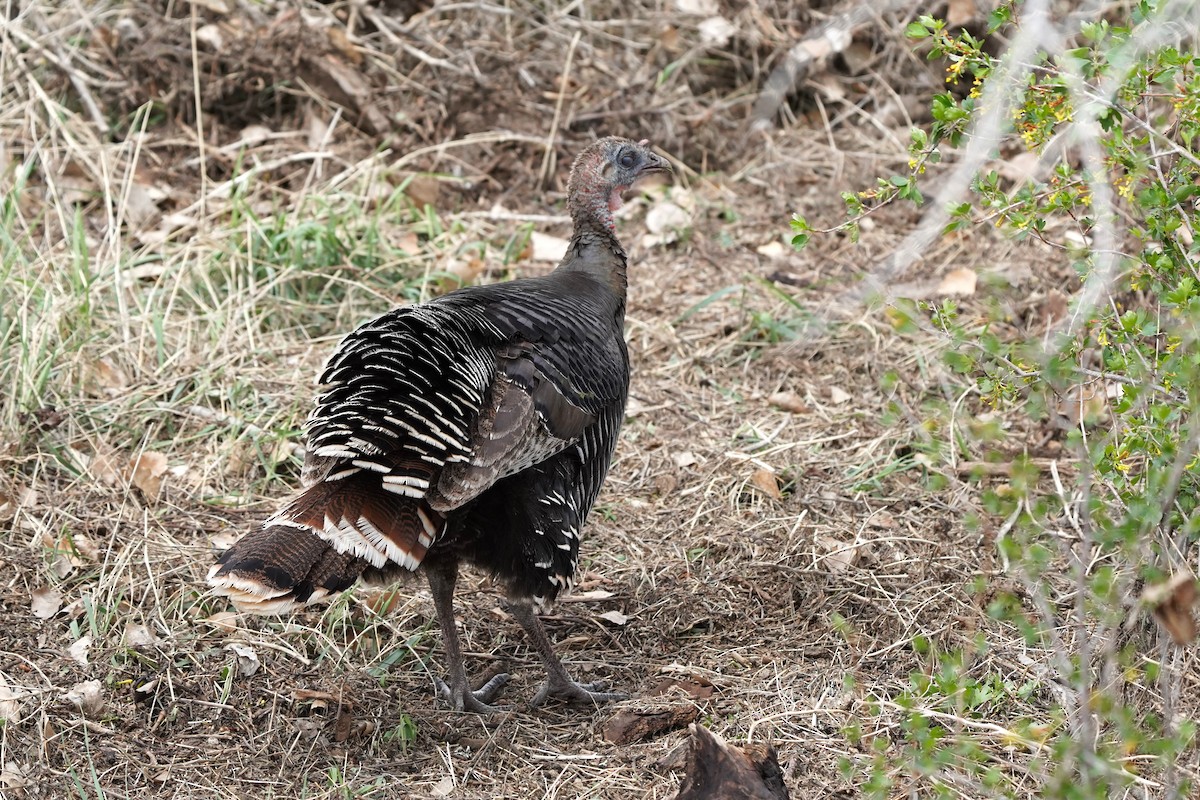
[[773, 536]]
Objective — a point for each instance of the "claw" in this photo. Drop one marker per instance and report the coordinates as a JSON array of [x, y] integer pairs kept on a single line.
[[576, 692], [478, 701]]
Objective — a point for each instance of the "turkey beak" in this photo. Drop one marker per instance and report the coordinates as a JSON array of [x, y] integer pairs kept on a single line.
[[655, 164]]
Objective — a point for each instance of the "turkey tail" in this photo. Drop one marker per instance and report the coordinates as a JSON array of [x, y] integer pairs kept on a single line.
[[282, 567], [320, 544]]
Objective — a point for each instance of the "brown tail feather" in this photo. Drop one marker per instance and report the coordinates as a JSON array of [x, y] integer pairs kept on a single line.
[[360, 517], [282, 567], [294, 559]]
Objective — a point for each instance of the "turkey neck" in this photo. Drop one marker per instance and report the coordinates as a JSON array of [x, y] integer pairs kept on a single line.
[[598, 254]]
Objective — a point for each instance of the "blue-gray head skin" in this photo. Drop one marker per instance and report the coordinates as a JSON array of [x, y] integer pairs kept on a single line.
[[603, 171]]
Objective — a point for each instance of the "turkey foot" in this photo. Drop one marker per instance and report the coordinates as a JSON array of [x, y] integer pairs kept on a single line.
[[558, 683], [478, 701], [576, 692]]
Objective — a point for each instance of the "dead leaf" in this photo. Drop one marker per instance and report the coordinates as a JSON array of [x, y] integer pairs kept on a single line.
[[615, 617], [84, 549], [443, 788], [666, 216], [1171, 603], [716, 31], [695, 686], [772, 249], [958, 282], [837, 395], [705, 8], [424, 190], [250, 136], [1087, 403], [45, 602], [341, 42], [839, 556], [79, 650], [88, 697], [217, 6], [10, 703], [247, 659], [223, 621], [20, 497], [220, 542], [859, 57], [685, 459], [138, 635], [14, 776], [105, 466], [593, 596], [409, 244], [461, 272], [765, 481], [343, 724], [961, 12], [788, 401], [103, 378], [548, 248], [380, 601], [141, 205], [146, 472], [345, 85]]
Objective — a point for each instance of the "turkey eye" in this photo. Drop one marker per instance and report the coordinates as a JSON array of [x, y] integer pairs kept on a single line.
[[627, 160]]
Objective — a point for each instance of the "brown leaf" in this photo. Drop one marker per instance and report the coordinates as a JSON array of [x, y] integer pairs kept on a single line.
[[105, 466], [78, 651], [694, 685], [141, 205], [10, 703], [424, 190], [1171, 603], [839, 556], [615, 617], [225, 621], [463, 271], [961, 12], [87, 696], [346, 86], [772, 249], [137, 635], [1087, 403], [838, 395], [788, 401], [146, 472], [765, 481], [343, 724], [103, 378], [958, 282], [409, 244], [45, 602], [218, 6]]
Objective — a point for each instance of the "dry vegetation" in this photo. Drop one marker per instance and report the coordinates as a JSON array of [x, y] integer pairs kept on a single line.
[[198, 198]]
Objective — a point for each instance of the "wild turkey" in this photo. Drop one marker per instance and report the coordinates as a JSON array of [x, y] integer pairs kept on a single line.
[[476, 428]]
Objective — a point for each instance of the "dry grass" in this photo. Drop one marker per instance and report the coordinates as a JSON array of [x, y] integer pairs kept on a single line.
[[173, 284]]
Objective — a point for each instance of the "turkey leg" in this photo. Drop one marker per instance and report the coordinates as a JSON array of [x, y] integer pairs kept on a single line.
[[457, 694], [558, 683]]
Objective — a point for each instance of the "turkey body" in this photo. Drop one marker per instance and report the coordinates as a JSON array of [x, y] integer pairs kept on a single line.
[[473, 429], [496, 409]]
